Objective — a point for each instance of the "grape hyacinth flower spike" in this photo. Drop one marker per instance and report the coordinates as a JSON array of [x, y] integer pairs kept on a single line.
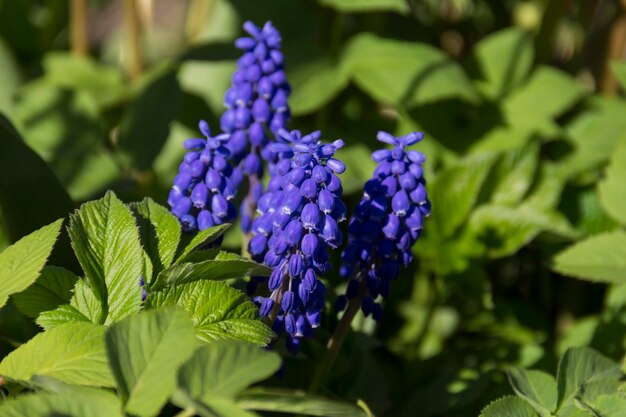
[[298, 217], [203, 190], [386, 223], [257, 108]]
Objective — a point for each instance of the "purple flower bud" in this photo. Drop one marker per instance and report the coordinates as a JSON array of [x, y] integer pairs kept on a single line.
[[303, 293], [326, 201], [257, 245], [219, 206], [308, 189], [290, 324], [310, 280], [296, 176], [194, 143], [400, 203], [386, 138], [309, 245], [336, 165], [310, 216], [288, 299], [334, 185], [418, 195], [200, 195], [293, 232], [398, 167], [415, 156], [381, 155], [266, 307], [392, 226], [331, 233], [188, 223], [416, 170], [182, 207], [182, 181], [276, 279], [292, 202]]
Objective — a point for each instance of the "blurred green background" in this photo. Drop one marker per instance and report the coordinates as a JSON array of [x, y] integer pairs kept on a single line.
[[525, 122]]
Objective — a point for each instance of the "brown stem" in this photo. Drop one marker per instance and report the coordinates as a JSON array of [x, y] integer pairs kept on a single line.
[[78, 27], [133, 61], [615, 50]]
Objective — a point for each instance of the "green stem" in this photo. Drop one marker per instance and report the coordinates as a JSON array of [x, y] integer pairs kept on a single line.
[[336, 341], [187, 412]]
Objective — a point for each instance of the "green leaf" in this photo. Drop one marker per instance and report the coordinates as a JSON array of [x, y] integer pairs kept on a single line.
[[106, 241], [21, 172], [505, 59], [598, 258], [358, 157], [217, 269], [65, 127], [455, 190], [611, 189], [60, 315], [536, 387], [200, 239], [146, 124], [74, 353], [218, 311], [504, 230], [356, 6], [403, 73], [144, 352], [610, 406], [515, 173], [52, 289], [314, 84], [508, 407], [580, 366], [547, 94], [159, 231], [68, 404], [297, 402], [105, 84], [606, 124], [21, 262], [224, 369]]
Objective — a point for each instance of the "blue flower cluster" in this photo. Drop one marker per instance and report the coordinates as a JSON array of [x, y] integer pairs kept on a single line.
[[298, 217], [204, 188], [386, 223], [257, 108]]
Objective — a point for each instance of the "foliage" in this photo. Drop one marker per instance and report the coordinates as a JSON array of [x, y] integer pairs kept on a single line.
[[521, 263]]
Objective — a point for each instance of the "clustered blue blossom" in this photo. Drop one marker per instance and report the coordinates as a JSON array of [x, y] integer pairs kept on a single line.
[[257, 108], [386, 223], [298, 219], [204, 188]]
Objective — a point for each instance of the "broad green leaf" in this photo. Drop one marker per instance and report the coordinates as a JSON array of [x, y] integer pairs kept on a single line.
[[146, 123], [144, 352], [547, 94], [508, 407], [314, 84], [21, 172], [74, 353], [610, 406], [503, 139], [536, 387], [224, 369], [297, 402], [598, 258], [218, 407], [611, 189], [83, 73], [503, 230], [504, 59], [60, 315], [64, 126], [52, 289], [404, 73], [355, 6], [606, 124], [581, 366], [515, 173], [200, 239], [455, 190], [67, 404], [159, 231], [358, 157], [106, 241], [590, 391], [217, 269], [21, 262], [217, 310]]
